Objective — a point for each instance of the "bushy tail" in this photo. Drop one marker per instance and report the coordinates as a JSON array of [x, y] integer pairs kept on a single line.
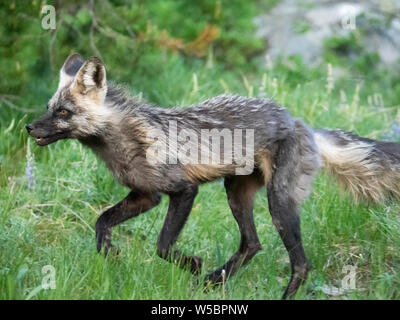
[[368, 169]]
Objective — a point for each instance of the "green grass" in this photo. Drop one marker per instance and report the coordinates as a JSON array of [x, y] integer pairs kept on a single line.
[[52, 224]]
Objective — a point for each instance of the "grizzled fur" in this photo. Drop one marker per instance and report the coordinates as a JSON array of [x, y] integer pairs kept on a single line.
[[368, 169], [286, 159]]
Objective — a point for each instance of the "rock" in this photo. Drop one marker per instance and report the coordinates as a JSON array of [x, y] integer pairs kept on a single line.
[[301, 28]]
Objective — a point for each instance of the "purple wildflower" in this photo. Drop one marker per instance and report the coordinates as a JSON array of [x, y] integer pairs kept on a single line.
[[30, 169], [393, 134]]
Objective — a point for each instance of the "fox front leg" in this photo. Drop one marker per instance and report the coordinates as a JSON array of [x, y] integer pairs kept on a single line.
[[134, 204], [180, 205]]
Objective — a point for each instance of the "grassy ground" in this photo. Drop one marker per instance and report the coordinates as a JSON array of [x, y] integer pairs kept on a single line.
[[51, 223]]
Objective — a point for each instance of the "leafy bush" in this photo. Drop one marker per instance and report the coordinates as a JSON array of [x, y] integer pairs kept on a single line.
[[132, 37]]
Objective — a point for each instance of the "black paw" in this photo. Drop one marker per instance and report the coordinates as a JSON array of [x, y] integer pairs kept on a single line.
[[214, 279], [196, 264], [103, 236]]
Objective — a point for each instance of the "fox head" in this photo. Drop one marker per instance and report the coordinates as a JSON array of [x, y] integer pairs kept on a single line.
[[77, 108]]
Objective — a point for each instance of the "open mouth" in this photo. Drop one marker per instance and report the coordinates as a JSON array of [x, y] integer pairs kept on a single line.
[[43, 141]]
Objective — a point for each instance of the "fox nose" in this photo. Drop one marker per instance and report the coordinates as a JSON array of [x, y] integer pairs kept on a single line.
[[29, 128]]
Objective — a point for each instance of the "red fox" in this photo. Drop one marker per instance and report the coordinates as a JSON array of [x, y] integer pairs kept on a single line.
[[280, 153]]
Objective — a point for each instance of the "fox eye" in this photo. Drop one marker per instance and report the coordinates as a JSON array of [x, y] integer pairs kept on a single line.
[[63, 112]]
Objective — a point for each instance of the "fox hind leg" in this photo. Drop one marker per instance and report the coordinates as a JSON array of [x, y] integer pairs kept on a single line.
[[297, 162], [240, 192], [286, 219]]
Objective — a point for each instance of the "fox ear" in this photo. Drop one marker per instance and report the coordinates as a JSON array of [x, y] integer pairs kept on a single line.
[[91, 79], [70, 69]]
